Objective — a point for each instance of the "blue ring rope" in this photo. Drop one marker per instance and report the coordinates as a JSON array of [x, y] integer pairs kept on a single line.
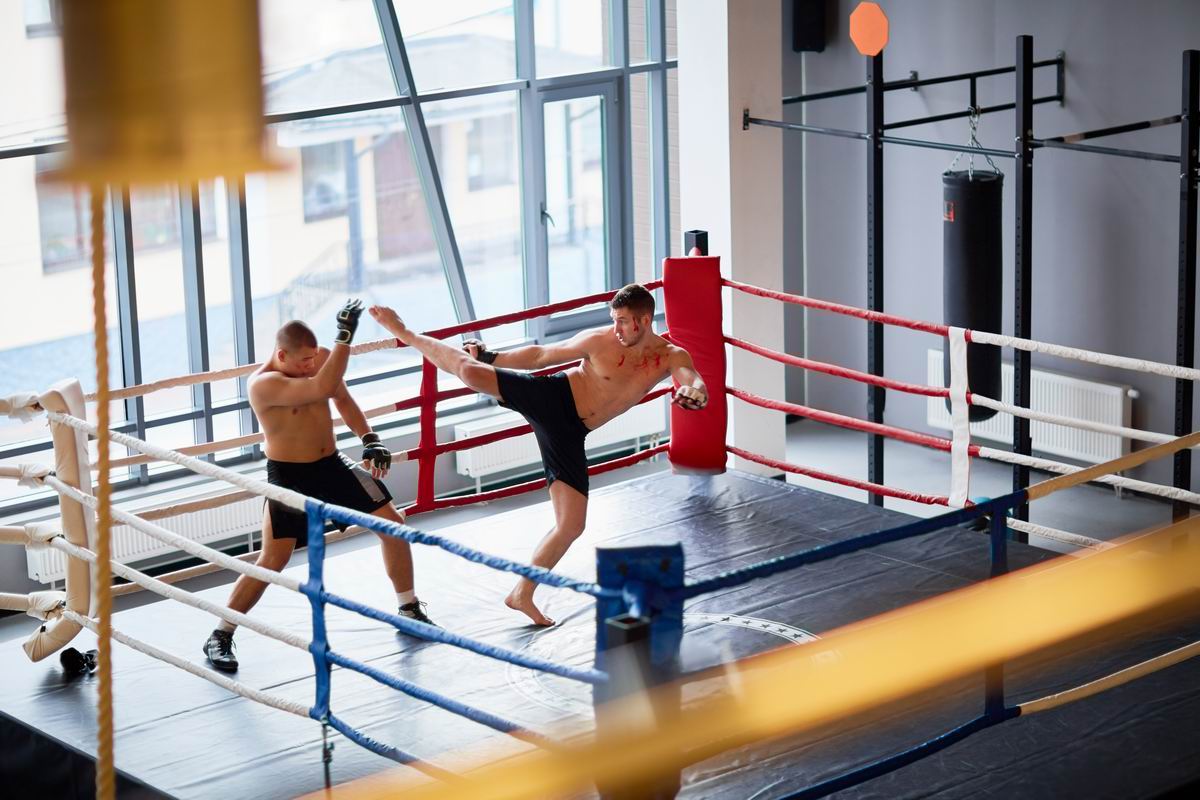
[[387, 751], [773, 566], [435, 634], [319, 646], [442, 701], [904, 758], [409, 534]]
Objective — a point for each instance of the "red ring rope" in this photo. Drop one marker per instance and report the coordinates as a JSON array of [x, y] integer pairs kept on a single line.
[[838, 371], [867, 486], [838, 308], [852, 423]]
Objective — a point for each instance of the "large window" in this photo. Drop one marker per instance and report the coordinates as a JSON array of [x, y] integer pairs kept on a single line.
[[463, 43], [510, 194], [491, 152], [323, 179]]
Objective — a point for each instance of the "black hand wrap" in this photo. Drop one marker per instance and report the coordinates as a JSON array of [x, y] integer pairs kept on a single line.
[[482, 353], [347, 321], [374, 451]]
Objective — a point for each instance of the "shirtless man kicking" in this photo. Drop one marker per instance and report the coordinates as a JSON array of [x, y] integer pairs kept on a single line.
[[620, 363], [290, 395]]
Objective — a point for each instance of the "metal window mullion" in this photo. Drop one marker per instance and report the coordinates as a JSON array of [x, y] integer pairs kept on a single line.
[[618, 180], [533, 170], [660, 139], [195, 312], [618, 26], [423, 160], [242, 300], [131, 351], [621, 269]]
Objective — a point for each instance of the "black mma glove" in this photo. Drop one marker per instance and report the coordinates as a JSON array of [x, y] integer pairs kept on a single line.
[[347, 321], [374, 451], [482, 354]]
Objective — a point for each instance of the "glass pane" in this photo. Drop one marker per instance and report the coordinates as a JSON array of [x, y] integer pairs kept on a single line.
[[214, 230], [162, 324], [39, 349], [571, 35], [643, 175], [575, 196], [639, 30], [464, 43], [319, 53], [672, 31], [480, 173], [673, 158], [31, 108], [381, 249]]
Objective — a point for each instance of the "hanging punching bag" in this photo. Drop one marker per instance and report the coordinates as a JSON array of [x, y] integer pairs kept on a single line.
[[972, 273]]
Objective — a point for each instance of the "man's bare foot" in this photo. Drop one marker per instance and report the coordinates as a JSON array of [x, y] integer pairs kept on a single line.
[[525, 606], [389, 319]]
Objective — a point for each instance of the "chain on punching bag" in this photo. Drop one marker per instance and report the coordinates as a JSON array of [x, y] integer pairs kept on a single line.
[[972, 270]]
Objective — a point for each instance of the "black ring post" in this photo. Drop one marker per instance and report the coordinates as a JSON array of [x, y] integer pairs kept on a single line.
[[875, 396], [1023, 265], [1185, 321]]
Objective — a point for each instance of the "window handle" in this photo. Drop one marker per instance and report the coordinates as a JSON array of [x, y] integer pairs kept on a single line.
[[546, 216]]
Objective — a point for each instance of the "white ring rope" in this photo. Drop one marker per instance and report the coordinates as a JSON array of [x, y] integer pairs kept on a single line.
[[293, 500], [209, 675], [222, 374], [1072, 422], [1090, 356], [183, 543], [201, 504], [1169, 492], [242, 441], [1111, 681], [1054, 534], [187, 598]]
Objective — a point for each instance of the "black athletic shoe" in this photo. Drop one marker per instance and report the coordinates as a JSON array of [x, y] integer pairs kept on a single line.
[[416, 610], [219, 651]]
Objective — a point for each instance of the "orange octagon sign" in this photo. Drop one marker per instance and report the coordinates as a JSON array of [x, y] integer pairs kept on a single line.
[[869, 28]]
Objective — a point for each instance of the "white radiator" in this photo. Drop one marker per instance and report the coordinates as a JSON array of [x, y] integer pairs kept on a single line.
[[645, 421], [131, 546], [1052, 393]]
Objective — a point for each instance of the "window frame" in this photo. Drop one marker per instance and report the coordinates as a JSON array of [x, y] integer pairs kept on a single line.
[[532, 92]]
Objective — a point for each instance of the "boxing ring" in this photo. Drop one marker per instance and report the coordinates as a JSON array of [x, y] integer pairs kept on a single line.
[[711, 572]]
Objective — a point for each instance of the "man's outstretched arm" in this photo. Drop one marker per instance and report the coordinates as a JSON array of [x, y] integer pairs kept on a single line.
[[692, 393]]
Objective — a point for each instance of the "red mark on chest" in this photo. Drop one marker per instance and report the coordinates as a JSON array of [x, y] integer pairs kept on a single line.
[[295, 411], [621, 363]]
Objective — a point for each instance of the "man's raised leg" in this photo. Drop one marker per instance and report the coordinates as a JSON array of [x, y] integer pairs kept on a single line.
[[478, 376], [570, 516]]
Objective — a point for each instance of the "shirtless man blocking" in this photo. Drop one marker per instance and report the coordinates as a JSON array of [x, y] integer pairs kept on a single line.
[[619, 364], [290, 395]]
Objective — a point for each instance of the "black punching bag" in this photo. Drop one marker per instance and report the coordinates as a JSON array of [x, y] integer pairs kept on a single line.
[[972, 274]]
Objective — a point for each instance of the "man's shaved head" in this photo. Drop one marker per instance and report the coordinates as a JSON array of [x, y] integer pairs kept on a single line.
[[293, 336]]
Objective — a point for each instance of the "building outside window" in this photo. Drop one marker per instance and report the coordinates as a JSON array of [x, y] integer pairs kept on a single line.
[[491, 158], [323, 171]]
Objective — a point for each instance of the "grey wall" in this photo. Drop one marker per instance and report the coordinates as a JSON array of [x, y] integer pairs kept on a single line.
[[1105, 233], [793, 209]]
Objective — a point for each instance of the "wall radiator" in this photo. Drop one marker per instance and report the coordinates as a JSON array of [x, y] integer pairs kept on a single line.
[[132, 547], [1052, 393], [646, 421]]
